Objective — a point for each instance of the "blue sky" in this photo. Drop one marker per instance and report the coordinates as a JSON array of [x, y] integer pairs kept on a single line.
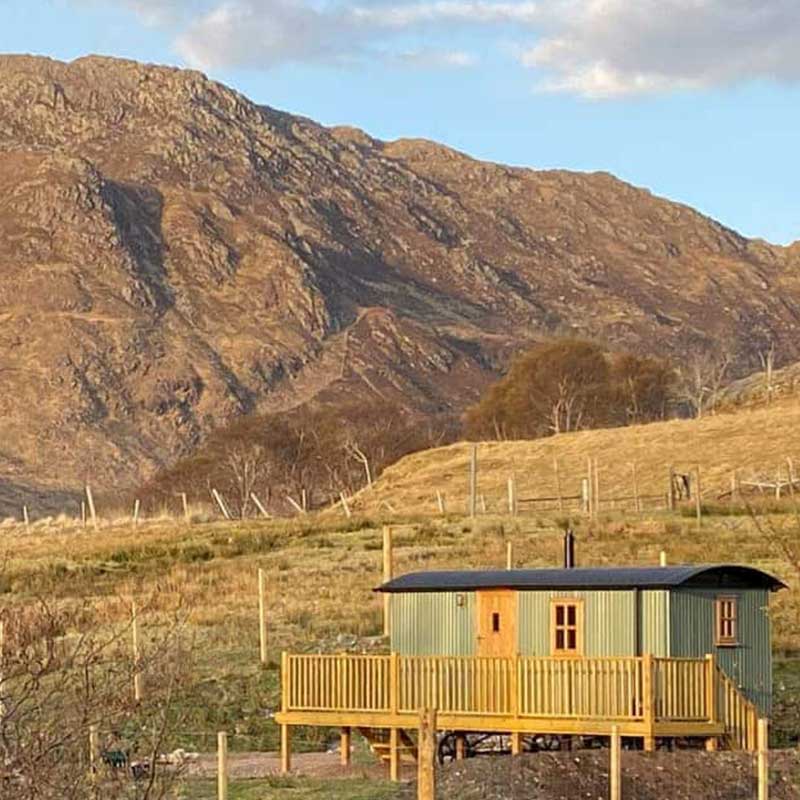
[[698, 100]]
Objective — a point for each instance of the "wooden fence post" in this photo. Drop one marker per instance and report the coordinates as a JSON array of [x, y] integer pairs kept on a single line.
[[559, 493], [136, 508], [345, 506], [137, 674], [510, 555], [304, 500], [426, 768], [596, 489], [763, 759], [698, 503], [94, 751], [25, 518], [220, 503], [286, 735], [671, 493], [90, 501], [262, 614], [185, 504], [512, 497], [589, 487], [222, 766], [259, 505], [662, 558], [473, 481], [636, 503], [440, 501], [615, 770], [388, 574], [585, 496], [83, 513]]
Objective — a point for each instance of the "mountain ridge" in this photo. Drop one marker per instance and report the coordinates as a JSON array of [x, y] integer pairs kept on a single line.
[[175, 255]]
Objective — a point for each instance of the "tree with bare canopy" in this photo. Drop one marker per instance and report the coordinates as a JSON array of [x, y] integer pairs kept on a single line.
[[571, 384], [70, 728]]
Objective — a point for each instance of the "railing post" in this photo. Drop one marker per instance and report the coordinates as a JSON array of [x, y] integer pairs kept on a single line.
[[394, 683], [712, 711], [649, 701], [222, 765]]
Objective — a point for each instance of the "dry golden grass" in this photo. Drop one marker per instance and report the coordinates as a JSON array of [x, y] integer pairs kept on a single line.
[[756, 442]]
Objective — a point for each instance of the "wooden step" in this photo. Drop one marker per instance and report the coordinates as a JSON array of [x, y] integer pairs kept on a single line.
[[378, 740]]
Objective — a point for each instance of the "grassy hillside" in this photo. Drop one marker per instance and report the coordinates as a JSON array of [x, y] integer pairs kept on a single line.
[[755, 442]]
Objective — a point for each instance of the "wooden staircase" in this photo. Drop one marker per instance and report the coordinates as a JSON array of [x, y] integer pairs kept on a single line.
[[737, 713], [378, 740]]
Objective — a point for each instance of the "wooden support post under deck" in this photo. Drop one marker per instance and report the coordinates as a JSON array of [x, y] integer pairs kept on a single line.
[[516, 743], [394, 755], [461, 747], [345, 747], [286, 749]]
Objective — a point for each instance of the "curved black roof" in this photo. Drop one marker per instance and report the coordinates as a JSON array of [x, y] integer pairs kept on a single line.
[[705, 576]]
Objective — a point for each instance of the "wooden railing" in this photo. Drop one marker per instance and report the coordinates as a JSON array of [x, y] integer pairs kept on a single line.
[[587, 688], [737, 713]]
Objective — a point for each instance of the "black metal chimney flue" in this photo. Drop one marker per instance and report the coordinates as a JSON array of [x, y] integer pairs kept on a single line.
[[569, 549]]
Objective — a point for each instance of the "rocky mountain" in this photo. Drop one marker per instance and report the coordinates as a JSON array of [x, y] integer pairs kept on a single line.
[[174, 255]]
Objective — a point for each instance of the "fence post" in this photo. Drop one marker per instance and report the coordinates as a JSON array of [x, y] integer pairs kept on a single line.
[[94, 751], [345, 506], [136, 507], [697, 499], [636, 503], [615, 770], [137, 656], [585, 497], [222, 766], [473, 481], [510, 555], [559, 495], [262, 614], [596, 488], [512, 499], [25, 518], [259, 505], [426, 769], [388, 572], [90, 501], [671, 494], [440, 501], [763, 759], [286, 737]]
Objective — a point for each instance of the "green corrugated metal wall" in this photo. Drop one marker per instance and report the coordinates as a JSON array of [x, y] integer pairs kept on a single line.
[[433, 624], [654, 624], [693, 630], [610, 627]]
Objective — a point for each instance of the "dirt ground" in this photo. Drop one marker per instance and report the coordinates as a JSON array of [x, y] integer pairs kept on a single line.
[[646, 776]]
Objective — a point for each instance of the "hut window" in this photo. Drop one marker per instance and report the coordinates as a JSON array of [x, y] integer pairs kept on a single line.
[[727, 621], [566, 627], [495, 622]]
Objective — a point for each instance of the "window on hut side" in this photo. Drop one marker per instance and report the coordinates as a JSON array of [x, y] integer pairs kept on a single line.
[[566, 627], [727, 621]]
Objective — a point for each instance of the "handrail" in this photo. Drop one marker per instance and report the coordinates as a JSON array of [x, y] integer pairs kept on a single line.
[[634, 689], [738, 714]]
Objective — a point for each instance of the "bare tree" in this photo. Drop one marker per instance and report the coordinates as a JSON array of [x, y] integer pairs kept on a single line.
[[767, 359], [702, 381], [57, 684]]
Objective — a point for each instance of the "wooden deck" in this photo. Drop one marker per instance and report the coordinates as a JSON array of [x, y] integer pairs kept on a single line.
[[644, 697]]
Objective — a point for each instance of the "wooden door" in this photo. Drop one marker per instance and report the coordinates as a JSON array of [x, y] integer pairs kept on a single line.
[[497, 623]]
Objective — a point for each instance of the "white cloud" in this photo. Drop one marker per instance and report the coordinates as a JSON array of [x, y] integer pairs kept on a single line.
[[263, 33], [592, 48], [608, 48]]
